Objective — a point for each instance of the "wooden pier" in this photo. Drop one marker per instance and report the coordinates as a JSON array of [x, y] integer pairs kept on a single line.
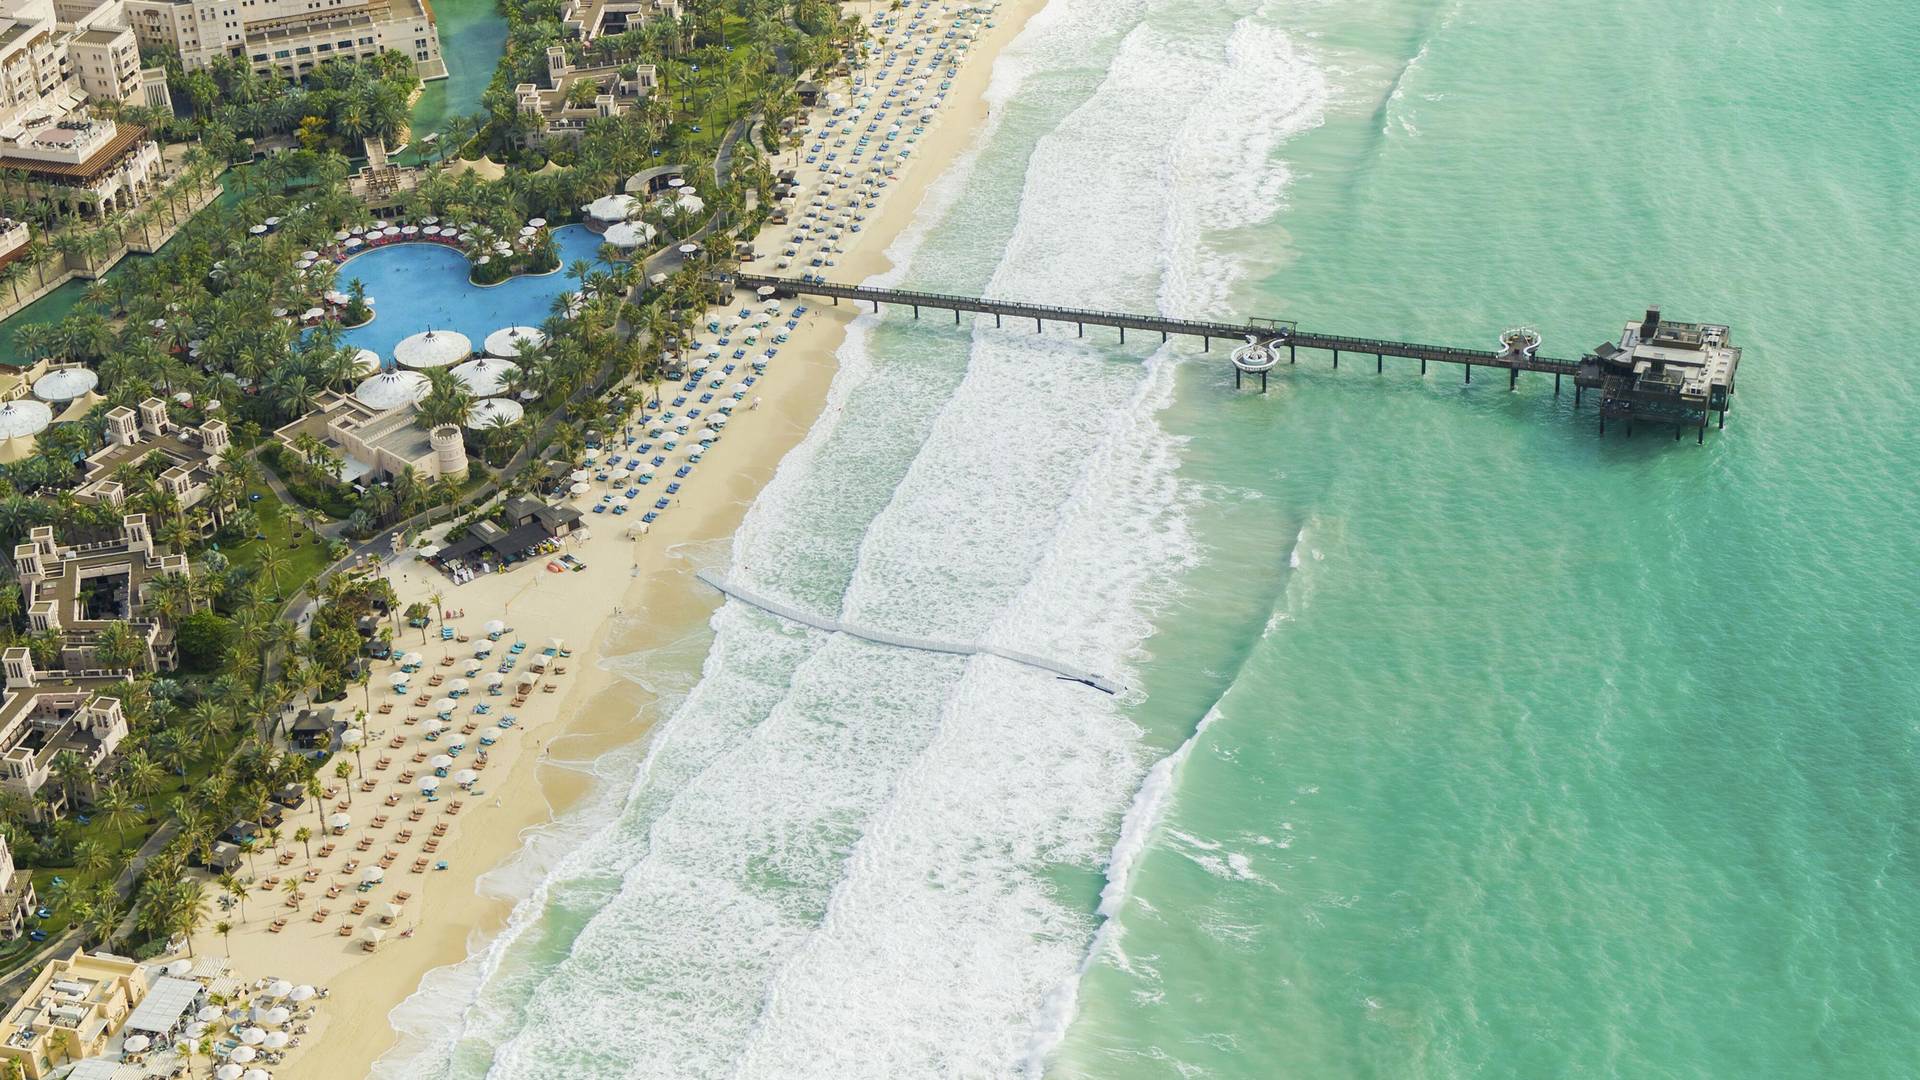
[[1627, 394]]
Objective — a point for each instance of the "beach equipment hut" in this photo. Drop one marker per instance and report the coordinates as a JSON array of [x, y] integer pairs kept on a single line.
[[339, 822], [136, 1043], [391, 390], [494, 412], [485, 376], [433, 348]]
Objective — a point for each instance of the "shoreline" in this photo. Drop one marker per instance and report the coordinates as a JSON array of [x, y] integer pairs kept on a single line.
[[536, 786]]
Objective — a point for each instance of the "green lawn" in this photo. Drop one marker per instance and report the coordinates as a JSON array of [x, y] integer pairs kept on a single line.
[[305, 550]]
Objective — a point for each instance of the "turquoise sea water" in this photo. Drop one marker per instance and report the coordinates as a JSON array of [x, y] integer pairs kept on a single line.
[[1463, 741]]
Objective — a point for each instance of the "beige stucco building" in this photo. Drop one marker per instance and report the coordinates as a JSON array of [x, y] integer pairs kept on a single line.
[[288, 37], [70, 1011]]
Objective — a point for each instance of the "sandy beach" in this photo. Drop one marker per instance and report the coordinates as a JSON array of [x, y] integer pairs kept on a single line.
[[635, 594]]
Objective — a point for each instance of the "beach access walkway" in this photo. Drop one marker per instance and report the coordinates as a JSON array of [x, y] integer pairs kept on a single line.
[[904, 641]]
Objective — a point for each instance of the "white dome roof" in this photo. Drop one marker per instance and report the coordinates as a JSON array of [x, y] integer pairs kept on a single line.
[[611, 207], [368, 360], [629, 234], [24, 417], [433, 348], [689, 202], [505, 342], [391, 390], [492, 412], [65, 384], [484, 377]]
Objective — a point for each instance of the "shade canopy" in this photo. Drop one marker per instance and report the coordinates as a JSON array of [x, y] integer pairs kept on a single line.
[[611, 208], [494, 412], [339, 821], [24, 417], [629, 234], [505, 342], [485, 376], [65, 384], [391, 390], [433, 348]]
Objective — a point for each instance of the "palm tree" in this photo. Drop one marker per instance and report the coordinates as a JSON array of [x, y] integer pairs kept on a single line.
[[231, 885], [91, 857], [304, 836], [116, 811], [344, 771], [71, 772], [291, 887], [189, 912], [224, 929]]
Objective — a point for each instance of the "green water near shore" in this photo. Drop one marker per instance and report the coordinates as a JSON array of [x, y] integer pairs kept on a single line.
[[473, 35]]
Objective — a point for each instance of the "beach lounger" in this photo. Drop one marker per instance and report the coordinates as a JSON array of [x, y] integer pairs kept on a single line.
[[419, 866], [346, 930], [276, 926]]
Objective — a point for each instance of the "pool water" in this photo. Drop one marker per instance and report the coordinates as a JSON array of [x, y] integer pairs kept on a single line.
[[424, 286]]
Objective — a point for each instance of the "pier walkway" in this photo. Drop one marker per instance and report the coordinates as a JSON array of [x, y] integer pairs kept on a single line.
[[903, 641], [1277, 331]]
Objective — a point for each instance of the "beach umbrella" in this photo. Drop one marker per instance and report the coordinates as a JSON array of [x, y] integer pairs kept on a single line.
[[494, 678], [391, 912], [579, 487], [342, 234], [434, 726], [764, 291], [339, 821], [227, 1072], [301, 993], [240, 1055], [457, 686], [444, 705], [277, 1040], [373, 934], [440, 761], [195, 1030], [373, 875], [136, 1043], [465, 777], [253, 1036], [208, 1014], [179, 967], [256, 1074], [473, 666], [352, 737], [399, 680], [276, 1015], [579, 475], [428, 785], [411, 658], [555, 644]]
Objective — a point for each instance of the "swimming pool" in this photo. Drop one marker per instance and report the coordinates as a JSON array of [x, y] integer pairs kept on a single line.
[[419, 287]]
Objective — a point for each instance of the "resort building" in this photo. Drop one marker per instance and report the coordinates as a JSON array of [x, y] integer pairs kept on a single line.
[[185, 458], [589, 19], [577, 96], [55, 55], [78, 591], [288, 37], [375, 435], [13, 239], [70, 1011], [17, 901], [524, 527]]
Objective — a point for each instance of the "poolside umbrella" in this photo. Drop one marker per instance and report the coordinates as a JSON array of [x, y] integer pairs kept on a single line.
[[272, 221], [528, 230], [354, 242], [440, 761], [675, 182], [444, 705], [538, 223], [276, 1040], [465, 777], [227, 1072], [428, 786], [300, 993], [312, 313], [240, 1055], [309, 254], [279, 313], [373, 875], [380, 224], [688, 249], [342, 234], [253, 1036], [339, 821], [136, 1043], [257, 230], [208, 1014], [409, 230], [411, 658], [429, 220], [357, 230]]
